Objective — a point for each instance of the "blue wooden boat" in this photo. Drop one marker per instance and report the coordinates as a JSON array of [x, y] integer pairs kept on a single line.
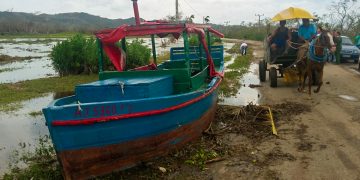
[[127, 117]]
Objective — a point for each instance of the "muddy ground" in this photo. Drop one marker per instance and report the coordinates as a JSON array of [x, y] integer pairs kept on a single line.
[[317, 139], [324, 141]]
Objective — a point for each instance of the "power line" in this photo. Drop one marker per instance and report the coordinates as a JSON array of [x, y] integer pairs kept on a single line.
[[192, 8]]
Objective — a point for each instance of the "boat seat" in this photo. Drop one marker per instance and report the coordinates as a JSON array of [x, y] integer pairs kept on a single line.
[[115, 89]]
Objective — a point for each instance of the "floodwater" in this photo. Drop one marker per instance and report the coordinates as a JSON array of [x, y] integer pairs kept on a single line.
[[21, 128], [246, 94], [39, 63]]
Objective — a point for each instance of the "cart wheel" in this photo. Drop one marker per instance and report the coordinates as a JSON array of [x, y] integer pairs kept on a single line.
[[262, 71], [273, 77]]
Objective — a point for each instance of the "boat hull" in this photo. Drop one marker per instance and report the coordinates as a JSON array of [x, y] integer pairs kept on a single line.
[[91, 162], [88, 147]]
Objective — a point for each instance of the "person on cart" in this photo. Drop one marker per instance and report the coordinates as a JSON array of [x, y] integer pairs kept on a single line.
[[278, 39], [307, 31]]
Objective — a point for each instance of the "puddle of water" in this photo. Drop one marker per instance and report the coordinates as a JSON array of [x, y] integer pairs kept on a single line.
[[246, 94], [25, 50], [20, 127], [349, 98], [233, 57]]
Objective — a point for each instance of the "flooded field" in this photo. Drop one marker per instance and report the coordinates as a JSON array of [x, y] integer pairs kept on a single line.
[[22, 128], [37, 65]]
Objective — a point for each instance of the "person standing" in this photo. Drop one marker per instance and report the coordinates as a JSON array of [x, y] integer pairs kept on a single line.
[[307, 31], [243, 48], [357, 40], [338, 43]]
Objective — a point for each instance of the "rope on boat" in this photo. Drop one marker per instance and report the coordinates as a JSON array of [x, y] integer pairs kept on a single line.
[[122, 84], [79, 106]]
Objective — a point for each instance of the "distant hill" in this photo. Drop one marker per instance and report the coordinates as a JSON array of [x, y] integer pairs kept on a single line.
[[19, 22]]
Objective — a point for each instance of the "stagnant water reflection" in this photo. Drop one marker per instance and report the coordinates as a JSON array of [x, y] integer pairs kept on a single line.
[[246, 94], [38, 66], [21, 128]]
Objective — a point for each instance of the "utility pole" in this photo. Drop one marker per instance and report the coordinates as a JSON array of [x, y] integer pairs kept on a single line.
[[259, 17], [177, 10], [259, 20]]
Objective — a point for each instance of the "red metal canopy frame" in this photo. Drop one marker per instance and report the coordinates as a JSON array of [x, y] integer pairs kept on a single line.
[[109, 37]]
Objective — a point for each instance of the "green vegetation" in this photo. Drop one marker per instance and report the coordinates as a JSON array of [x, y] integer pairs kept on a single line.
[[41, 164], [200, 158], [163, 57], [231, 81], [137, 54], [235, 49], [194, 40], [14, 93], [35, 113], [79, 55], [240, 62], [227, 58], [76, 55], [245, 32]]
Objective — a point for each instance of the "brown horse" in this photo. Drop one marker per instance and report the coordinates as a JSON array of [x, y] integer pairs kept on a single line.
[[312, 58], [301, 65]]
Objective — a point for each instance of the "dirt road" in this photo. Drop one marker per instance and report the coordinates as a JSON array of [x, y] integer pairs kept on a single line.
[[321, 143], [326, 140]]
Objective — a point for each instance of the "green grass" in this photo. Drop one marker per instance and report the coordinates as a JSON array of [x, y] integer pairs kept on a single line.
[[14, 93], [240, 62], [231, 81], [35, 113], [235, 49], [227, 58]]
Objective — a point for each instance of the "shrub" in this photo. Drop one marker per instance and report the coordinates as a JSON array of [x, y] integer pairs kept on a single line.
[[137, 54], [194, 40], [79, 55], [75, 56]]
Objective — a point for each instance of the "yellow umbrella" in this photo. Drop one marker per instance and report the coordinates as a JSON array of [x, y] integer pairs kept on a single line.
[[293, 13]]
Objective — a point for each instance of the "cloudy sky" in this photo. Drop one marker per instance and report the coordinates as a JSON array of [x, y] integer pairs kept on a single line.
[[219, 11]]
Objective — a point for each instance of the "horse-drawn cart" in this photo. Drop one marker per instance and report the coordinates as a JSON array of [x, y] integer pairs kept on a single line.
[[282, 61], [277, 64]]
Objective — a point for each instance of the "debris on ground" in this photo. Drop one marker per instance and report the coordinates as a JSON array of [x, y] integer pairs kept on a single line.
[[254, 85], [231, 141]]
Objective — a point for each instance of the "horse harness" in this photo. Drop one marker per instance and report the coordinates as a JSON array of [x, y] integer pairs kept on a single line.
[[312, 54]]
